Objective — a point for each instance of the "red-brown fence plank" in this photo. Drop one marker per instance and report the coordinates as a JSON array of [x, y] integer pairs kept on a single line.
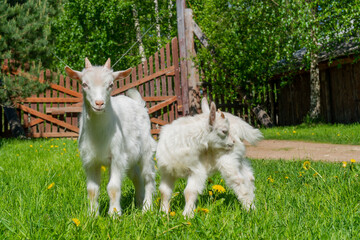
[[55, 112], [175, 55], [48, 118], [157, 69]]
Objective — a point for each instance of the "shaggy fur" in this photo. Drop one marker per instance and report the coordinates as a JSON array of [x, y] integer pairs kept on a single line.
[[189, 148], [114, 132], [185, 150]]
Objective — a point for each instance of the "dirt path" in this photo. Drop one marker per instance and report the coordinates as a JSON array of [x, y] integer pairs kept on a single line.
[[281, 149]]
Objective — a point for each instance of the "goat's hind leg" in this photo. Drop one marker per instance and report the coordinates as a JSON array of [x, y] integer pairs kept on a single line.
[[138, 181], [195, 185], [93, 175], [148, 175], [166, 188]]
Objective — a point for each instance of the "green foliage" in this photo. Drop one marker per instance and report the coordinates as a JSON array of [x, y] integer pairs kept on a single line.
[[99, 29], [251, 40], [43, 194], [24, 39]]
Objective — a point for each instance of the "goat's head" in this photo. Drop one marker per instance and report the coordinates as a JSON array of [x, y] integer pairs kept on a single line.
[[219, 137], [97, 83]]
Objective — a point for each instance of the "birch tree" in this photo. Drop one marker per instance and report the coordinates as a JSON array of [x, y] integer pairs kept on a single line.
[[138, 34]]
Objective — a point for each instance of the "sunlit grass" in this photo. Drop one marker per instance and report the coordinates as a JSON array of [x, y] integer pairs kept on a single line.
[[325, 133], [43, 196]]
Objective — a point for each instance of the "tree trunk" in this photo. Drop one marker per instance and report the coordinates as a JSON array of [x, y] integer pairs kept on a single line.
[[157, 18], [14, 122], [170, 6], [138, 34], [314, 88], [314, 111]]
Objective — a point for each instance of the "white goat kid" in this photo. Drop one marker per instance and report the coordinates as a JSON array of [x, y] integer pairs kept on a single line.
[[189, 148], [233, 165], [114, 132]]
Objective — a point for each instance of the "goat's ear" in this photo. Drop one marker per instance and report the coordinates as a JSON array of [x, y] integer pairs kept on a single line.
[[87, 63], [205, 105], [122, 74], [212, 115], [73, 74], [108, 64]]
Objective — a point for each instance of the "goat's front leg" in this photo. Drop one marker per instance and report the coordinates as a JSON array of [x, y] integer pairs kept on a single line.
[[195, 185], [238, 174], [114, 187], [93, 174]]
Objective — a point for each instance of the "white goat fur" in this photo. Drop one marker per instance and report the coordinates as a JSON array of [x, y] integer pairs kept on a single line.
[[114, 132], [184, 152]]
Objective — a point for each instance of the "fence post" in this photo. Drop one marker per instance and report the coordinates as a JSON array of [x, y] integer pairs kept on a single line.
[[180, 11], [193, 77]]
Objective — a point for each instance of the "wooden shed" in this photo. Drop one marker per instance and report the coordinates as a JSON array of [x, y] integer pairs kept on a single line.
[[340, 90]]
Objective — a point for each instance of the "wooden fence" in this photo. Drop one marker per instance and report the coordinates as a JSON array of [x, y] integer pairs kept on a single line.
[[55, 113]]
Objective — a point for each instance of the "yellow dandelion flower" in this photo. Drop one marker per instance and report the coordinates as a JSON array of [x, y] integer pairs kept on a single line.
[[155, 159], [172, 214], [64, 149], [56, 146], [188, 223], [115, 210], [315, 174], [103, 168], [294, 131], [218, 188], [338, 134], [210, 193], [52, 146], [278, 133], [286, 177], [76, 221], [17, 155], [64, 143], [336, 177], [221, 180], [344, 164], [306, 165], [312, 133], [270, 179], [353, 160], [31, 146], [50, 186], [41, 146], [204, 210]]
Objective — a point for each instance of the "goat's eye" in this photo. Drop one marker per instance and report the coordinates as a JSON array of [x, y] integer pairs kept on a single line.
[[84, 85], [111, 85], [225, 132]]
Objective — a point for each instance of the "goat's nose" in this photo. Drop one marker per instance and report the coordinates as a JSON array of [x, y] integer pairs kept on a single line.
[[99, 103]]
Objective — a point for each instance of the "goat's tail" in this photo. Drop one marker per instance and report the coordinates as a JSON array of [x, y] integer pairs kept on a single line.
[[243, 130], [134, 94]]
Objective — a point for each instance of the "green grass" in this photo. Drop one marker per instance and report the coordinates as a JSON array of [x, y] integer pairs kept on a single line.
[[291, 202], [324, 133]]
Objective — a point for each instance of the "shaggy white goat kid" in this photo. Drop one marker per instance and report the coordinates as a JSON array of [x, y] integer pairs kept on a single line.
[[189, 148], [233, 165], [114, 132]]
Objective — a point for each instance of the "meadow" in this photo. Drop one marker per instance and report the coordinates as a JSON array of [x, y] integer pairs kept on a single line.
[[43, 196], [324, 133]]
